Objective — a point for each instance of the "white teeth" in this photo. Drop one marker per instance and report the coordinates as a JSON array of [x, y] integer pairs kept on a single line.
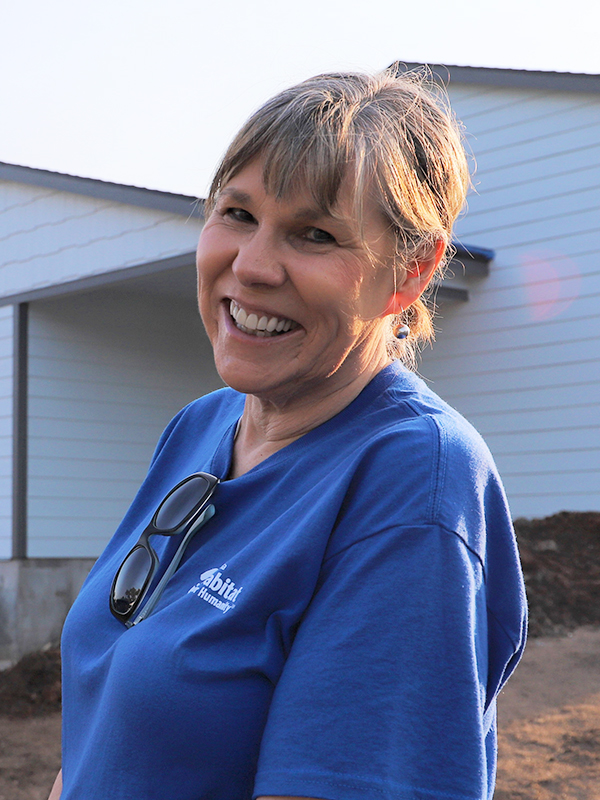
[[263, 326]]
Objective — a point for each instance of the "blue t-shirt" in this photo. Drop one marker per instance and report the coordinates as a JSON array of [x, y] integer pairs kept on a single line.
[[374, 607]]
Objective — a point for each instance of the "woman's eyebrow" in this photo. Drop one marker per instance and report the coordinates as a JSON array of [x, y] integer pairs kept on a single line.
[[236, 195]]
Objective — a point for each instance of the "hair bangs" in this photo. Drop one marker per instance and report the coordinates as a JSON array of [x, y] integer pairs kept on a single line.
[[306, 159]]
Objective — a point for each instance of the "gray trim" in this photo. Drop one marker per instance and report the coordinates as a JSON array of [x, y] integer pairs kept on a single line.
[[468, 265], [473, 251], [20, 390], [518, 78], [130, 195], [103, 279], [443, 292]]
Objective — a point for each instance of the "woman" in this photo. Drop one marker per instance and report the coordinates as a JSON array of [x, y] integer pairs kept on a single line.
[[341, 626]]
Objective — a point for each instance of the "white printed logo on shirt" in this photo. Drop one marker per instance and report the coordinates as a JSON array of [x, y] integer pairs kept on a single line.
[[216, 589]]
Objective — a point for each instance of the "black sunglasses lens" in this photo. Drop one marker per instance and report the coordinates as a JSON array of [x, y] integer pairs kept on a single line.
[[131, 579], [175, 508]]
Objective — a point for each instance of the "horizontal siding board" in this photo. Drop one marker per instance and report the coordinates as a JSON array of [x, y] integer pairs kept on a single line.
[[82, 542], [111, 430], [15, 195], [71, 235], [574, 273], [529, 120], [551, 483], [513, 400], [60, 508], [523, 208], [519, 308], [49, 413], [564, 185], [535, 230], [570, 463], [504, 338], [43, 220], [569, 437], [518, 143], [499, 171], [52, 237], [103, 494], [542, 419], [101, 394], [95, 470], [475, 109], [83, 451], [521, 359], [519, 355], [504, 375]]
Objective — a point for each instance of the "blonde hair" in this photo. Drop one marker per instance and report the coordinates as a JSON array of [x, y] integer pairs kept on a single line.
[[393, 134]]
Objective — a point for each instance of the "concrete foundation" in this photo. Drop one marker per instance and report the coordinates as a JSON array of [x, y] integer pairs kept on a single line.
[[35, 596]]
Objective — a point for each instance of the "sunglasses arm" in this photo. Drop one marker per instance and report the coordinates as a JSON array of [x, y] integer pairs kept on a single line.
[[148, 608]]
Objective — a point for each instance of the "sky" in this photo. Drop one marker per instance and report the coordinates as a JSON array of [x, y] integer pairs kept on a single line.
[[150, 92]]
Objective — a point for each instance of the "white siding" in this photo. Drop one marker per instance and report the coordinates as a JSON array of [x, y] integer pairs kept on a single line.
[[6, 389], [522, 359], [49, 237], [108, 369]]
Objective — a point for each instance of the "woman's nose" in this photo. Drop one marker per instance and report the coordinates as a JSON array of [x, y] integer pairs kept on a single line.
[[259, 262]]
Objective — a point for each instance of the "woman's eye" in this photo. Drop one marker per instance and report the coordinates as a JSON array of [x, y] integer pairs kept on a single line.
[[239, 214], [319, 236]]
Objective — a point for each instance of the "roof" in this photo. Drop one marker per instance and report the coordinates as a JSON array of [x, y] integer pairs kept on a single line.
[[119, 193], [518, 78]]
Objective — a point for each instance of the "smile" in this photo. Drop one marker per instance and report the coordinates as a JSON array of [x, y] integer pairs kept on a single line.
[[262, 325]]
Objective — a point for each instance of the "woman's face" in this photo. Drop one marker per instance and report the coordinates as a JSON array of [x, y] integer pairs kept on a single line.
[[290, 297]]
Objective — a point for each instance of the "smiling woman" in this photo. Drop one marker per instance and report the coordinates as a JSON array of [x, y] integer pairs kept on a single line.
[[336, 617]]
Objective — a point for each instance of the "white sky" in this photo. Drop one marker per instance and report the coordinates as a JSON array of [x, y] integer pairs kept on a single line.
[[149, 92]]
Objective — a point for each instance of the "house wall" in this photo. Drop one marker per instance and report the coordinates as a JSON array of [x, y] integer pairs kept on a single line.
[[522, 359], [6, 411], [49, 237], [107, 370]]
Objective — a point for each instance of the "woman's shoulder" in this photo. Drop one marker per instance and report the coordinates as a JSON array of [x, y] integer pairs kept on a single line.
[[428, 462], [414, 418]]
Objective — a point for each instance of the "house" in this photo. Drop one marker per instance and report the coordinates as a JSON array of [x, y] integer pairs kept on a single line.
[[100, 340]]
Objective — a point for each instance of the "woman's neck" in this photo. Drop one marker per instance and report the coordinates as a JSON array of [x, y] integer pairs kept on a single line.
[[267, 426]]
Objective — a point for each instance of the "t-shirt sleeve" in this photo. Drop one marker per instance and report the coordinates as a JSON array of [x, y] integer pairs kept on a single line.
[[383, 693]]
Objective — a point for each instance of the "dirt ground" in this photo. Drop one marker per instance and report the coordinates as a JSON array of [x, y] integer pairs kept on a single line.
[[549, 713]]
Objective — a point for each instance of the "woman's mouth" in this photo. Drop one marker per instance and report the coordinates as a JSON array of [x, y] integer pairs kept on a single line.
[[262, 325]]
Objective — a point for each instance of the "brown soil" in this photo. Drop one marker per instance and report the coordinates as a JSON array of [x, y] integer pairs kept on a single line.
[[549, 713]]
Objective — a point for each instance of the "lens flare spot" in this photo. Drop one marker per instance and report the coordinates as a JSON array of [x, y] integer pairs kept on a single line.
[[552, 282]]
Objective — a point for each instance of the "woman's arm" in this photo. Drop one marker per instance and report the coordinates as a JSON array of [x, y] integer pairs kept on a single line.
[[57, 788]]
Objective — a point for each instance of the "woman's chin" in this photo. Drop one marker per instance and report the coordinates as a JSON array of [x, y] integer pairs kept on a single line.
[[248, 379]]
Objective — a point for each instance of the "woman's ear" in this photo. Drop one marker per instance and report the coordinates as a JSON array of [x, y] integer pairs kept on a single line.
[[416, 278]]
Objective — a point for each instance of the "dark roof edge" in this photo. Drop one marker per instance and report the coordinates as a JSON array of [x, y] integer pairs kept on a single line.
[[99, 280], [519, 78], [116, 192], [478, 253]]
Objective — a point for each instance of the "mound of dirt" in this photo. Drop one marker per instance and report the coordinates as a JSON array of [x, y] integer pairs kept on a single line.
[[561, 562], [31, 687]]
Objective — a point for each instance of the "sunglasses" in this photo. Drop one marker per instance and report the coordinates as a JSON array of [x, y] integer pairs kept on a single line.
[[182, 513]]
